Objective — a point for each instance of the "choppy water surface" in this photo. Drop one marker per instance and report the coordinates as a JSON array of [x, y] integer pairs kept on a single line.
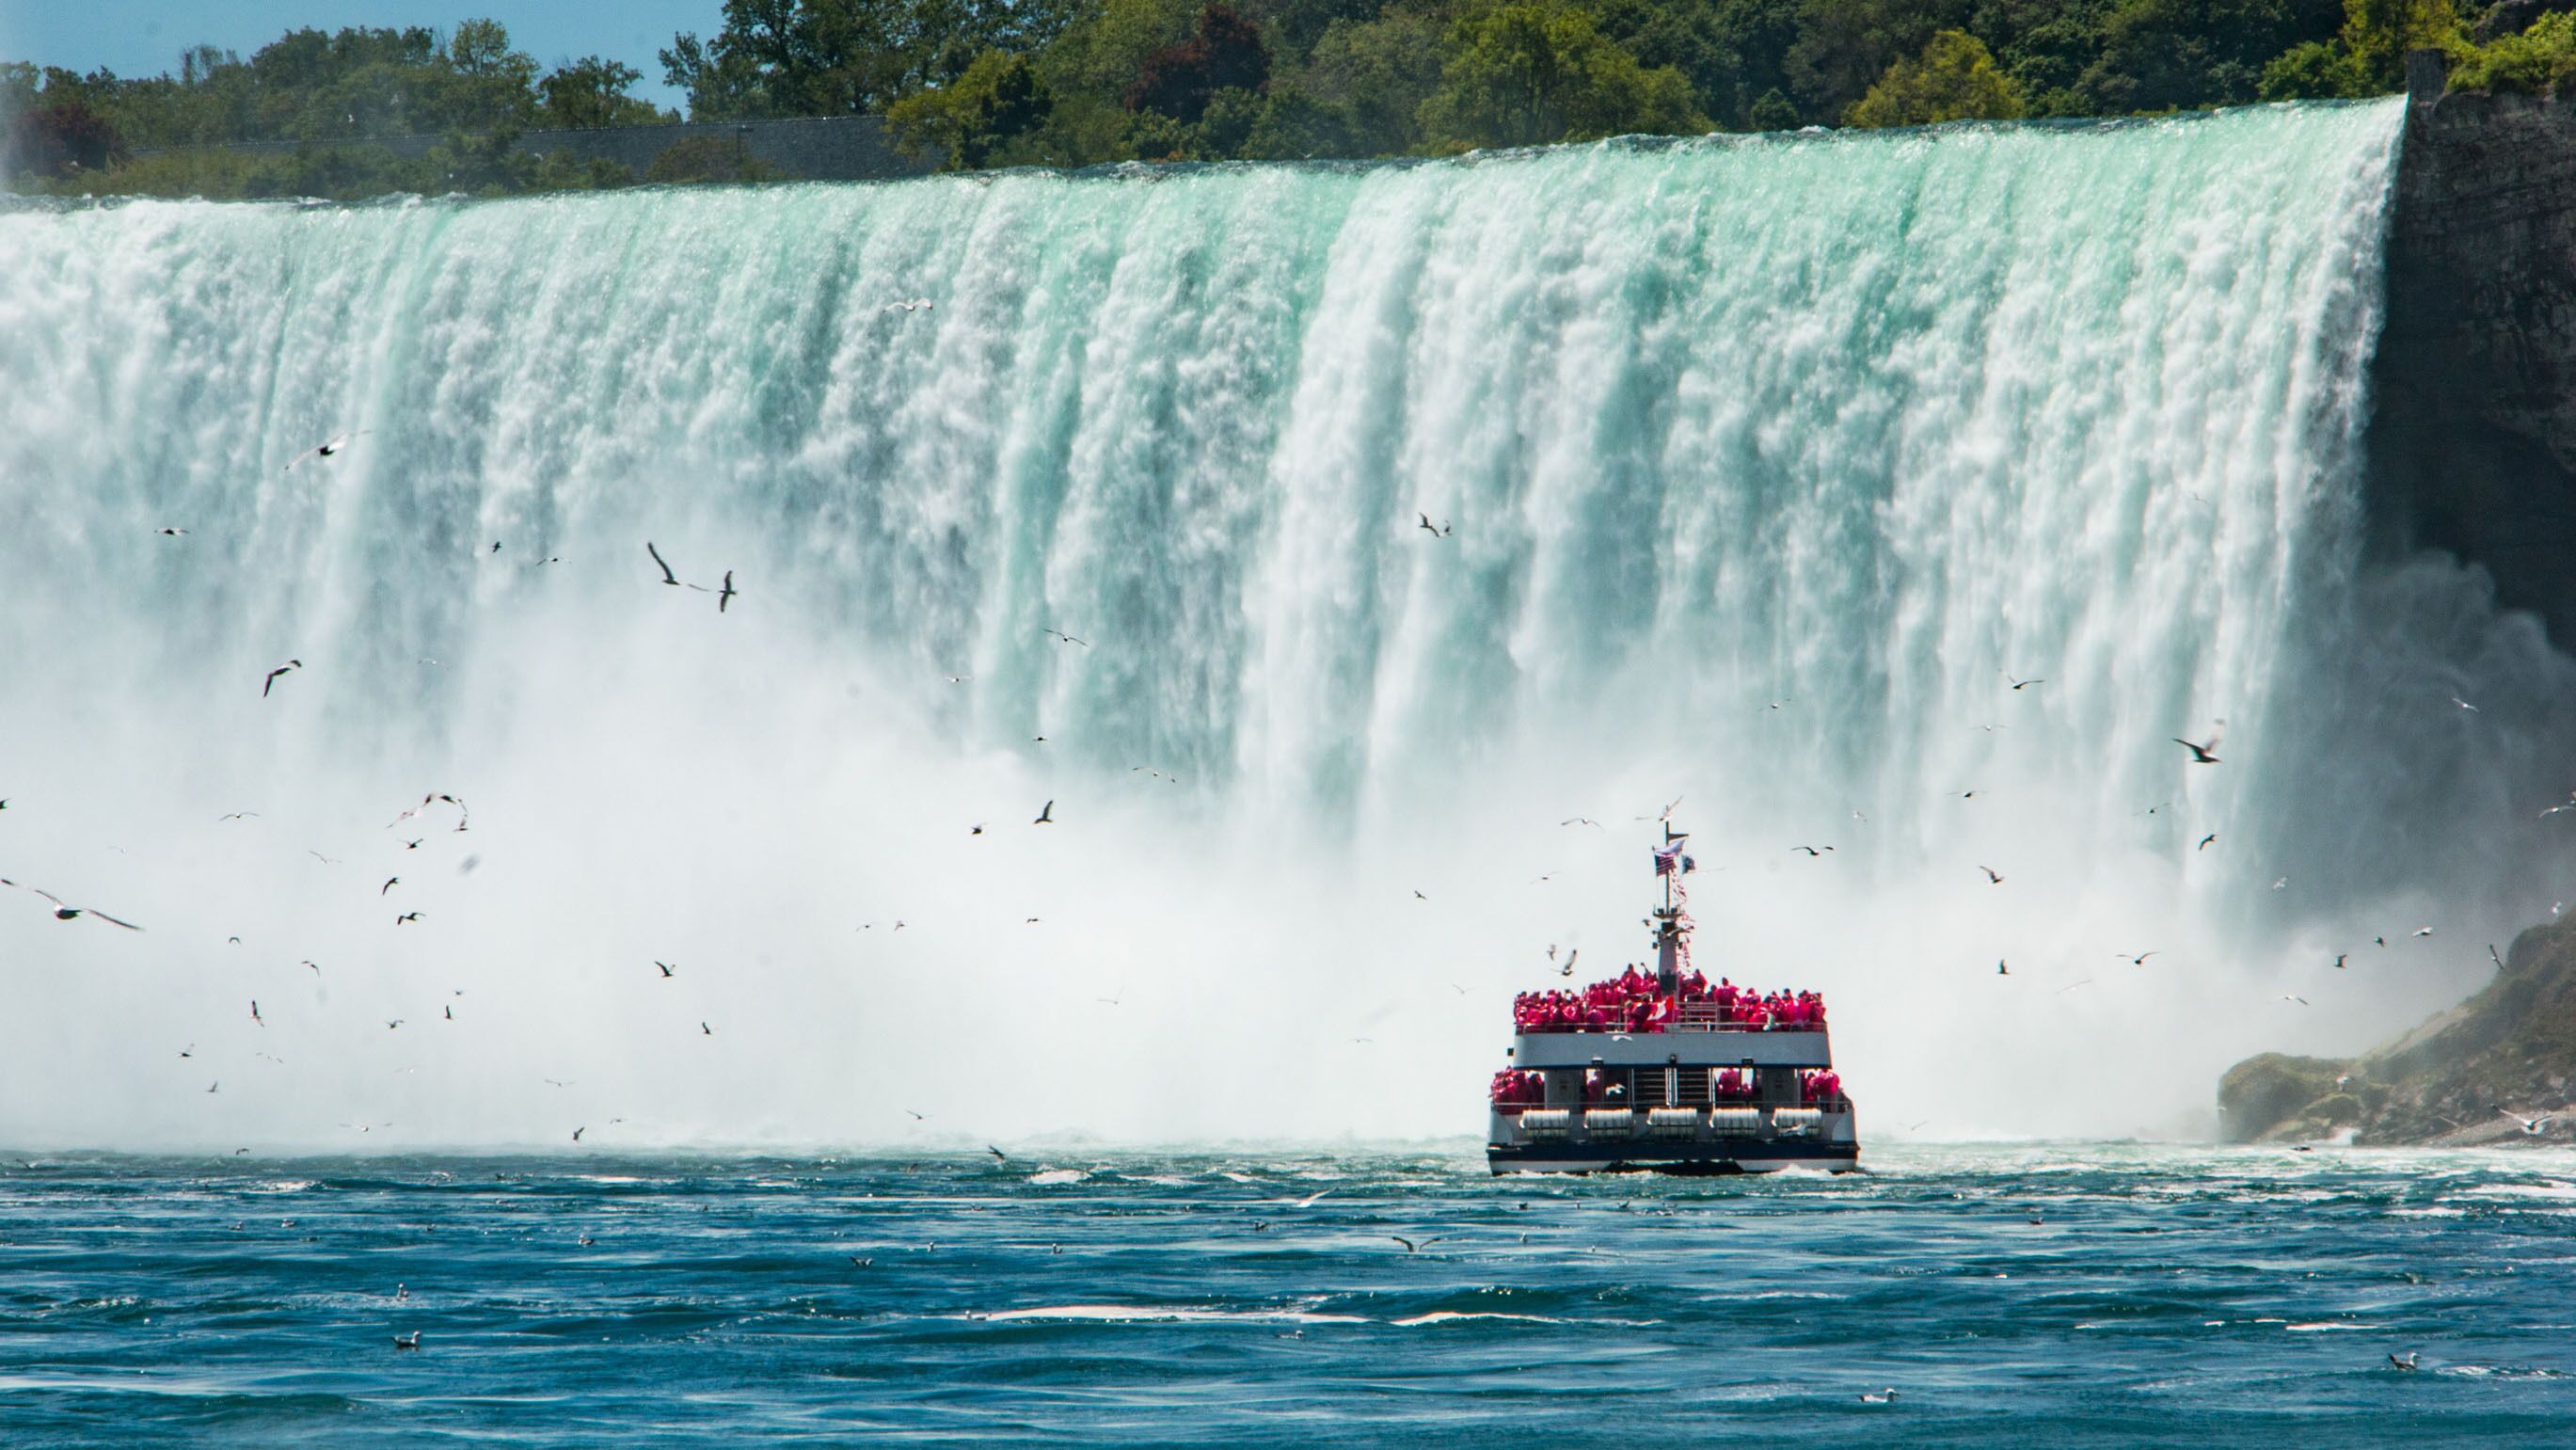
[[2165, 1296]]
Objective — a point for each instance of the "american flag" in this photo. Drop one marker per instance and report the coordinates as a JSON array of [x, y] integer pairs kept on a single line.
[[1670, 859]]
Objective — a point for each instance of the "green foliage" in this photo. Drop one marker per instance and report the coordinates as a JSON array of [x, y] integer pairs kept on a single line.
[[1954, 79], [2538, 59], [978, 119], [2378, 33], [1521, 75], [2317, 70], [984, 83], [591, 93]]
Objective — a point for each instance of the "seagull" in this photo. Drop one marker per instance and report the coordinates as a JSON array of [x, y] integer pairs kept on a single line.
[[577, 1132], [2071, 986], [172, 533], [975, 830], [919, 304], [325, 860], [64, 911], [1410, 1246], [2383, 941], [2024, 684], [665, 966], [1883, 1397], [2205, 840], [918, 1117], [1568, 969], [214, 1086], [2139, 960], [2423, 931], [1310, 1200], [2002, 968], [254, 1012], [2569, 806], [1437, 531], [1046, 815], [2200, 754], [2465, 705], [705, 1030], [390, 883], [2491, 956], [407, 1341], [326, 449], [2403, 1361], [1066, 638], [1114, 1001], [667, 576], [2340, 958], [236, 816], [2294, 997], [1418, 896], [1811, 851], [266, 684], [1993, 877], [1581, 821], [2280, 883], [725, 595], [2531, 1127], [406, 916], [395, 1023], [997, 1153]]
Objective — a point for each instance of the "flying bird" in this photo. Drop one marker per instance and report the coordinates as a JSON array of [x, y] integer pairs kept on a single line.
[[406, 916], [254, 1013], [2200, 754], [667, 576], [2531, 1127], [2423, 931], [1411, 1246], [1993, 877], [997, 1153], [329, 448], [2294, 997], [2340, 957], [2491, 956], [577, 1132], [2403, 1361], [2139, 960], [706, 1030], [665, 966], [2205, 840], [390, 883], [270, 683], [1437, 531], [1812, 851], [236, 816], [725, 595], [1066, 638], [172, 533], [2024, 684], [2002, 968], [64, 911], [1046, 815], [2465, 705], [1581, 821]]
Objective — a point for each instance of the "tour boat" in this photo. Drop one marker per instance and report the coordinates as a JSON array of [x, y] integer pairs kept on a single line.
[[1666, 1072]]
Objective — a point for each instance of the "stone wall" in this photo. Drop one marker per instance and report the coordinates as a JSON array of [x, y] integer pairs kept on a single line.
[[823, 148], [2473, 432]]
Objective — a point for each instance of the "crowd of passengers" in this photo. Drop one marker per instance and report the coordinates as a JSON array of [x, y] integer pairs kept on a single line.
[[1527, 1089], [1629, 1003]]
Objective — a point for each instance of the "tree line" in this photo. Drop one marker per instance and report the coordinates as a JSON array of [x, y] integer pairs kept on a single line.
[[985, 83]]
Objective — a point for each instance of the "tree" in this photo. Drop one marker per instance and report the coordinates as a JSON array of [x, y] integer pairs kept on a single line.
[[836, 57], [1954, 79], [2378, 33], [1524, 75], [1844, 46], [974, 120], [1375, 74], [1224, 51], [2160, 54], [591, 92], [60, 139]]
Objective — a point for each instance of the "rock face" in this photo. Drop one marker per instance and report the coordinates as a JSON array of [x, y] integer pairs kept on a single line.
[[2472, 441], [2511, 1049]]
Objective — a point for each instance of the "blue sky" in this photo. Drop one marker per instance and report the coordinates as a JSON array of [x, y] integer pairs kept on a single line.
[[144, 37]]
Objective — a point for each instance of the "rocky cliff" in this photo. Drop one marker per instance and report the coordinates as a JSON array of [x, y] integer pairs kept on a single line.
[[2473, 435], [2472, 1074]]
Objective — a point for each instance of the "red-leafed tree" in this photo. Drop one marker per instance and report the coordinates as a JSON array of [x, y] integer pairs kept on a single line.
[[62, 138], [1224, 52]]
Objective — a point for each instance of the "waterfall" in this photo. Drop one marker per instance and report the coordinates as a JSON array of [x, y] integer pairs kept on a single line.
[[1760, 469]]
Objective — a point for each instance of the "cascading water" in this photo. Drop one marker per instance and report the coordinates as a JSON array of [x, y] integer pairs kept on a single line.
[[1762, 468]]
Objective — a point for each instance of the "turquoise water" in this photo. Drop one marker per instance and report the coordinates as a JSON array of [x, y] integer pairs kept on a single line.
[[2167, 1296]]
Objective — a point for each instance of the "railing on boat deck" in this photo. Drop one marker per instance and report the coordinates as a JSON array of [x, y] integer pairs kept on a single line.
[[1697, 1017], [1840, 1103]]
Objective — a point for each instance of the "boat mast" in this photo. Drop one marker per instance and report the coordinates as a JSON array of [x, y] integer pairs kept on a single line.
[[1668, 931]]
